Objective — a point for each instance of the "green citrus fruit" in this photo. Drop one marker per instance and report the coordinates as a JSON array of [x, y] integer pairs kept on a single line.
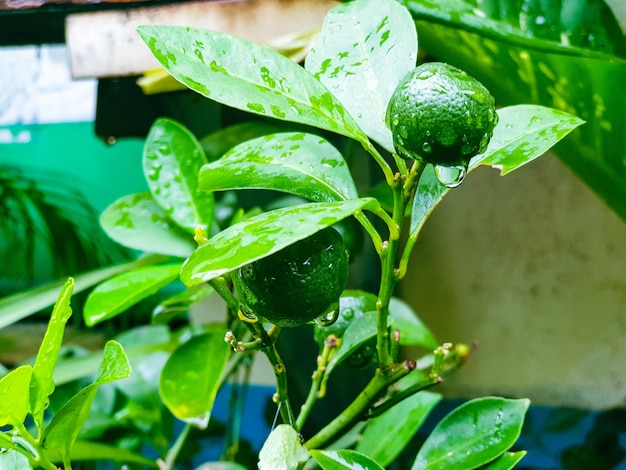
[[298, 284], [441, 115]]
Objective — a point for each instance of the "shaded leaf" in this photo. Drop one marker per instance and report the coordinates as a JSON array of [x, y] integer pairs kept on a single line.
[[179, 303], [365, 48], [473, 434], [345, 459], [264, 234], [282, 450], [296, 163], [14, 402], [216, 144], [138, 222], [243, 75], [117, 294], [413, 332], [172, 158], [191, 376], [14, 460]]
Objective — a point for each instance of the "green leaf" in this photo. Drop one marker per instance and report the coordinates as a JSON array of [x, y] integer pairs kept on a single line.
[[216, 144], [473, 434], [282, 450], [14, 402], [191, 376], [296, 163], [413, 332], [365, 48], [117, 294], [523, 133], [137, 221], [264, 234], [42, 385], [345, 459], [360, 331], [220, 466], [172, 158], [18, 306], [14, 460], [388, 434], [67, 423], [86, 450], [506, 461], [180, 303], [243, 75]]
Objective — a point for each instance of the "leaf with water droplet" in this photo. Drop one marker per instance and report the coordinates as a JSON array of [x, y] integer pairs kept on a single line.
[[261, 235], [172, 158], [293, 162], [363, 51], [246, 76], [450, 176], [474, 434], [191, 376]]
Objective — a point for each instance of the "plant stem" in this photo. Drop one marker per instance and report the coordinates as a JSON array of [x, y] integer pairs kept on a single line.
[[387, 171], [221, 287], [172, 454]]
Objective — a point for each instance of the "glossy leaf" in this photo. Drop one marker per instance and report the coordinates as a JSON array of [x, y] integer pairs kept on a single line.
[[138, 222], [216, 144], [172, 158], [179, 303], [523, 133], [413, 332], [243, 75], [117, 294], [360, 331], [506, 461], [365, 48], [297, 163], [42, 385], [345, 459], [14, 403], [264, 234], [388, 434], [282, 450], [473, 434], [191, 376], [114, 365], [14, 460]]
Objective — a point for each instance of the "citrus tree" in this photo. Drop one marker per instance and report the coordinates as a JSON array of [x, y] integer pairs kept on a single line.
[[424, 128]]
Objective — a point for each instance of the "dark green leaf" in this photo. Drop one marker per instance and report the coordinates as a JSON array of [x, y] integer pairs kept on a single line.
[[180, 303], [506, 461], [117, 294], [246, 76], [14, 402], [138, 222], [191, 377], [365, 48], [388, 434], [296, 163], [473, 434], [361, 330], [264, 234], [216, 144], [172, 158], [42, 385], [345, 459], [282, 450], [413, 332]]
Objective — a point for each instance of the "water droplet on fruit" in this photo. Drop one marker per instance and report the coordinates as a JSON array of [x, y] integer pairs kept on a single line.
[[451, 176], [396, 120], [426, 147], [347, 313], [330, 316]]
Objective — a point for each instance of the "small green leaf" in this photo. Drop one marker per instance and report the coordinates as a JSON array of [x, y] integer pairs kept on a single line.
[[14, 460], [42, 385], [413, 332], [246, 76], [14, 396], [297, 163], [360, 331], [117, 294], [345, 459], [264, 234], [138, 222], [365, 48], [473, 434], [506, 461], [172, 158], [191, 376], [282, 450], [388, 434], [115, 365]]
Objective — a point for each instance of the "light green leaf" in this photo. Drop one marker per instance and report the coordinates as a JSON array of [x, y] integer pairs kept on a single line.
[[42, 385], [217, 143], [506, 461], [14, 396], [473, 434], [365, 48], [388, 434], [523, 133], [86, 450], [115, 365], [138, 222], [243, 75], [14, 460], [297, 163], [172, 158], [191, 376], [117, 294], [282, 450], [264, 234], [345, 459], [413, 332]]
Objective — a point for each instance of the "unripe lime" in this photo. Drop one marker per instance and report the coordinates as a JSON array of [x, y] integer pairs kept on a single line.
[[298, 284], [441, 115]]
